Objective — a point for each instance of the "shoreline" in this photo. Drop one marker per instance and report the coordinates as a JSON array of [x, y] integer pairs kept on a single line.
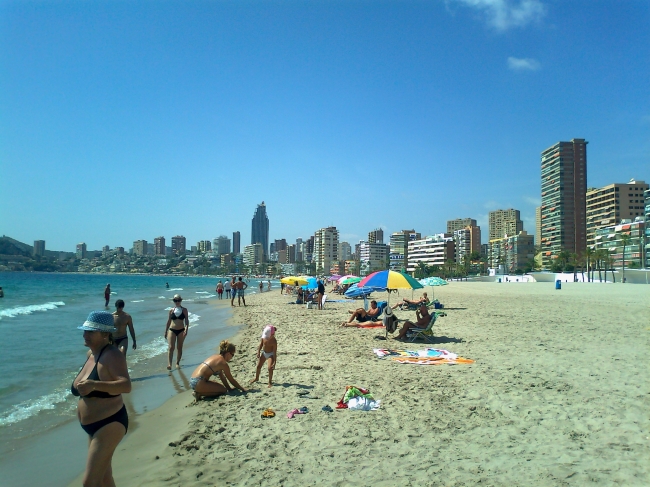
[[536, 407]]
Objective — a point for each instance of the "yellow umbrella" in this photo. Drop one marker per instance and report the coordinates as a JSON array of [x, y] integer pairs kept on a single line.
[[291, 280]]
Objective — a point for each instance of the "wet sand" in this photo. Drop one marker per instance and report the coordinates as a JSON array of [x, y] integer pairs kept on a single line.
[[558, 395]]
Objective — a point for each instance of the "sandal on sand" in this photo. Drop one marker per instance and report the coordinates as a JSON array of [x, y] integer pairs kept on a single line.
[[328, 409], [304, 410], [268, 413], [303, 393]]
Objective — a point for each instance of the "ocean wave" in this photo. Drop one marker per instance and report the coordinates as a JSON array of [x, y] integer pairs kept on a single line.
[[138, 301], [175, 289], [27, 409], [202, 292], [163, 297], [28, 310]]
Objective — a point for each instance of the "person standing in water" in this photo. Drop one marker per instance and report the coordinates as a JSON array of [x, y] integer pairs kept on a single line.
[[107, 294], [122, 321], [233, 293], [241, 285], [220, 290], [178, 323]]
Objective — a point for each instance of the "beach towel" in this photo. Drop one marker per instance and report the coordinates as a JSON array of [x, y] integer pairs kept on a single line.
[[427, 356], [367, 325]]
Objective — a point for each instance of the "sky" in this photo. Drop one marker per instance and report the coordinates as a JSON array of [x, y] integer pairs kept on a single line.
[[122, 121]]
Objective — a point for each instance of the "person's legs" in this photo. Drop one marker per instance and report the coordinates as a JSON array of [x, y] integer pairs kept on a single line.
[[269, 363], [320, 301], [406, 327], [208, 388], [179, 343], [243, 299], [124, 346], [260, 362], [100, 452], [232, 297], [171, 341]]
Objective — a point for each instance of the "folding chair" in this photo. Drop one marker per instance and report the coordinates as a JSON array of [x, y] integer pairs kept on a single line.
[[424, 333]]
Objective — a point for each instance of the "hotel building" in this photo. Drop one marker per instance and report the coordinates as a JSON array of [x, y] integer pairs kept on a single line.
[[434, 250], [399, 249], [504, 222], [326, 249]]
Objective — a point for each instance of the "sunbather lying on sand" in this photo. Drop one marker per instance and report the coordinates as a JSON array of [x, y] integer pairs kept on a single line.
[[362, 316], [423, 317]]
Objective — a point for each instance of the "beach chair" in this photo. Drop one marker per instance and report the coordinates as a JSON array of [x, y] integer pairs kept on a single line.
[[424, 333]]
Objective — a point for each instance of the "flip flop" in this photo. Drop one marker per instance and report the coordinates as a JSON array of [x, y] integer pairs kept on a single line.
[[293, 412], [304, 410], [268, 413], [303, 393], [328, 409]]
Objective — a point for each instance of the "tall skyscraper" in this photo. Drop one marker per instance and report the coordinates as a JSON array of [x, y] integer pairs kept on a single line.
[[260, 228], [459, 224], [326, 249], [504, 222], [179, 245], [538, 225], [399, 253], [39, 248], [140, 247], [345, 251], [222, 245], [236, 242], [608, 205], [159, 246], [564, 199], [81, 250], [376, 236]]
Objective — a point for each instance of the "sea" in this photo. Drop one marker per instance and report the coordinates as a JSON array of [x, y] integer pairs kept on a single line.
[[42, 351]]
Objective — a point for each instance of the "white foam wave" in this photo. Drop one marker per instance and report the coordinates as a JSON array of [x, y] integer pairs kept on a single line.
[[28, 310], [175, 289], [162, 297], [138, 301], [202, 292], [27, 409]]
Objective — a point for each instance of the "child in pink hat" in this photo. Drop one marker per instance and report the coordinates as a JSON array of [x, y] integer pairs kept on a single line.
[[267, 352]]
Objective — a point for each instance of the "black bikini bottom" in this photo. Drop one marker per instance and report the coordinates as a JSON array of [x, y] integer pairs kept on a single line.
[[121, 417], [177, 331], [117, 341]]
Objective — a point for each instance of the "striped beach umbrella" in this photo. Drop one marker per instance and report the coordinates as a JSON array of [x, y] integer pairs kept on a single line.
[[390, 280]]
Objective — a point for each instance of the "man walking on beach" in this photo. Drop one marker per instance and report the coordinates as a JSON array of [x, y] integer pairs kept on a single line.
[[123, 320], [240, 291], [233, 294], [227, 288]]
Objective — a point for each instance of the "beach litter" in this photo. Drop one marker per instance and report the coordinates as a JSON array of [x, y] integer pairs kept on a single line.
[[427, 356], [358, 398]]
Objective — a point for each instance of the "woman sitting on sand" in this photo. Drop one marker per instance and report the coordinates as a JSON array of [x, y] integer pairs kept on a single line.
[[216, 364], [178, 323], [100, 385]]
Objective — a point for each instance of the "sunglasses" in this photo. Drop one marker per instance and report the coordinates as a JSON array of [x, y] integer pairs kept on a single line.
[[177, 300]]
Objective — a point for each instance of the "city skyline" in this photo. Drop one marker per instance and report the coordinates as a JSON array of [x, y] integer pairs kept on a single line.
[[420, 112]]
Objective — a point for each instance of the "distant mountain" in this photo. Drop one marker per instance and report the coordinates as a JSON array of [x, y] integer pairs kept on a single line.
[[10, 246]]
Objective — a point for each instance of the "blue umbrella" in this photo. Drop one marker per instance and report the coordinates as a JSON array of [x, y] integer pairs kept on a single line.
[[357, 292]]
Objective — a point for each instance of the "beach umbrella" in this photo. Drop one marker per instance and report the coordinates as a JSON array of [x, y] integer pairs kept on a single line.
[[345, 277], [433, 282], [390, 280], [357, 292], [312, 283], [334, 277], [291, 280], [350, 280]]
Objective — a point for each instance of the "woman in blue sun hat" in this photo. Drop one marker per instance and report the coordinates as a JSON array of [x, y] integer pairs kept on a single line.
[[100, 385]]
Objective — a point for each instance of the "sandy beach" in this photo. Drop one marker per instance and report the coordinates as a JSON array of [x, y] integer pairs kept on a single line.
[[557, 395]]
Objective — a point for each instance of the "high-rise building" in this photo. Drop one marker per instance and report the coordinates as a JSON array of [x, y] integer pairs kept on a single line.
[[222, 245], [345, 251], [159, 246], [236, 242], [326, 249], [253, 254], [609, 205], [260, 228], [291, 254], [399, 248], [538, 225], [39, 248], [459, 224], [504, 222], [514, 252], [204, 246], [467, 240], [178, 245], [140, 247], [280, 244], [647, 228], [372, 257], [610, 239], [564, 199], [376, 236], [81, 250]]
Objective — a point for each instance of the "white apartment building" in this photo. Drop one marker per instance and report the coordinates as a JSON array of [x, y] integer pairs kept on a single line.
[[373, 257], [326, 249], [433, 250], [253, 254]]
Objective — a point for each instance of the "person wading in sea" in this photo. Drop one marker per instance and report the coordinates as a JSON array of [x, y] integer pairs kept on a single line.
[[122, 321]]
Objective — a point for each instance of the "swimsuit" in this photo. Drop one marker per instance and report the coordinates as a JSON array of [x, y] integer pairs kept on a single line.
[[177, 331], [117, 341], [195, 380], [268, 355], [240, 293], [120, 417]]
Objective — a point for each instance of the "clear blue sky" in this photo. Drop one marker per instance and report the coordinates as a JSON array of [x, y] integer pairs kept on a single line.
[[128, 120]]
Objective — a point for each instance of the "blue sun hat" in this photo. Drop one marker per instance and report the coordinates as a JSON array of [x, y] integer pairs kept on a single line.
[[99, 321]]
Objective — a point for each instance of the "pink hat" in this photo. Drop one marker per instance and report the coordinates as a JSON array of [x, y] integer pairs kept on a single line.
[[268, 332]]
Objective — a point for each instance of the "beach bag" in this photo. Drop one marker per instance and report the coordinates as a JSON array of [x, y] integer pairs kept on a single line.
[[389, 320]]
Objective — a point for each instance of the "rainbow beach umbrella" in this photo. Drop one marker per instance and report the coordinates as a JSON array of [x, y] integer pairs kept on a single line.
[[390, 280]]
